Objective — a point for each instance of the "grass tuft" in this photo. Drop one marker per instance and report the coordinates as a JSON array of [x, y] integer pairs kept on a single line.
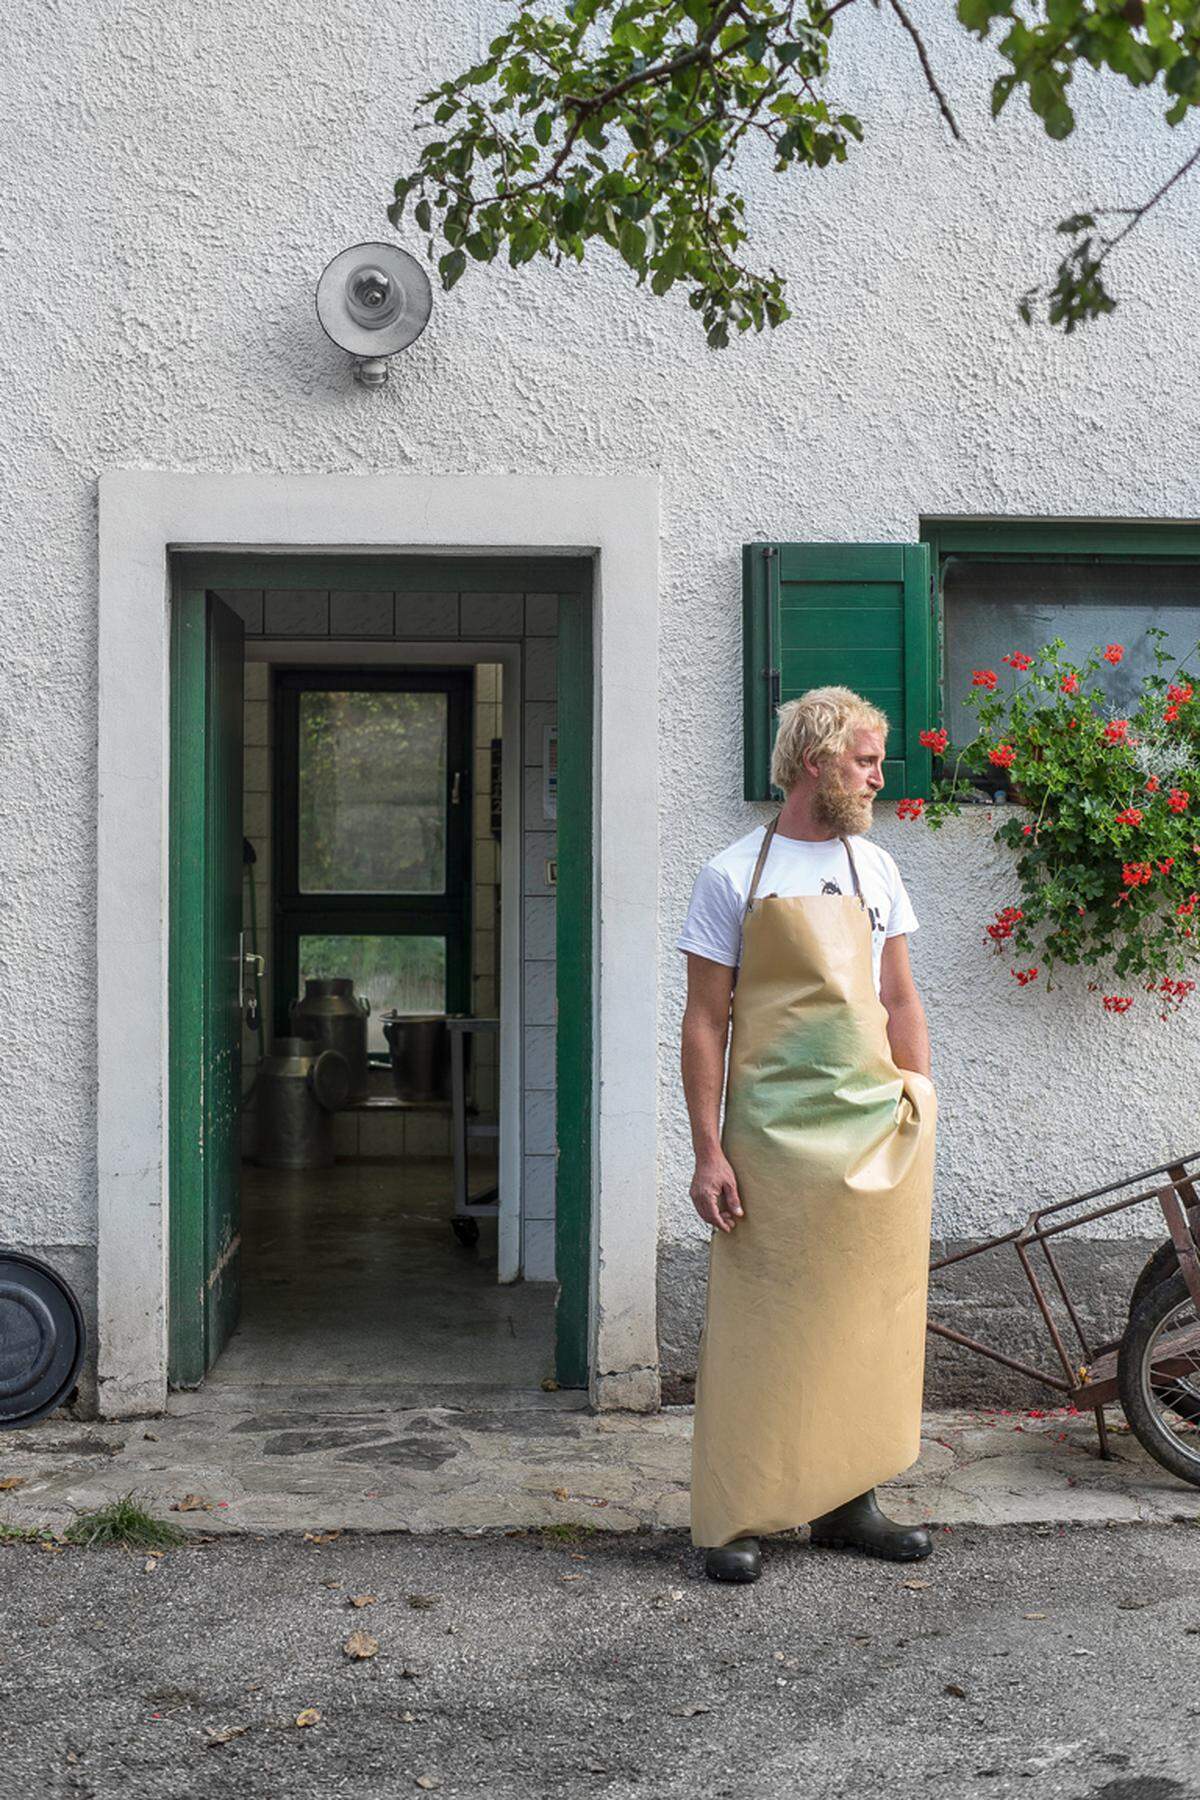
[[123, 1525]]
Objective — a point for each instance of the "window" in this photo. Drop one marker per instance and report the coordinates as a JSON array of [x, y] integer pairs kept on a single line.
[[372, 837]]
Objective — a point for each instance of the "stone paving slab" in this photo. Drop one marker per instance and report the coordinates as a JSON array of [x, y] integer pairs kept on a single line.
[[521, 1464]]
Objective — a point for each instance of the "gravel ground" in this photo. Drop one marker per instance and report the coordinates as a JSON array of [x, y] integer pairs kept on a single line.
[[1017, 1661]]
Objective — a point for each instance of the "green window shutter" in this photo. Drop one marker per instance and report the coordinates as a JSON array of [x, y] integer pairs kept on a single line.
[[860, 615]]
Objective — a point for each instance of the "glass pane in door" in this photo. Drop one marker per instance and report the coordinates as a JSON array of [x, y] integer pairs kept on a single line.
[[372, 772], [407, 974]]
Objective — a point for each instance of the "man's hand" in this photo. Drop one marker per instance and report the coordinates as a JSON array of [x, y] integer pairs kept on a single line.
[[715, 1192]]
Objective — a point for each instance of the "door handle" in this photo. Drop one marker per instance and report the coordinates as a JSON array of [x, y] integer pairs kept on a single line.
[[456, 789]]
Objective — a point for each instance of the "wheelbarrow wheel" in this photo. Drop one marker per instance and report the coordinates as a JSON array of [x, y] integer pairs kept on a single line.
[[1163, 1263], [1158, 1377]]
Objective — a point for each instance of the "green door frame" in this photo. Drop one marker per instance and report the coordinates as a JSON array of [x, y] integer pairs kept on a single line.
[[243, 579]]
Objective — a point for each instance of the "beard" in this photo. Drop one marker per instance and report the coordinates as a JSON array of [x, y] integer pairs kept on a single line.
[[835, 806]]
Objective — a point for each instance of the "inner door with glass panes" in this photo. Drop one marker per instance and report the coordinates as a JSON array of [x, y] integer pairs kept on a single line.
[[372, 803]]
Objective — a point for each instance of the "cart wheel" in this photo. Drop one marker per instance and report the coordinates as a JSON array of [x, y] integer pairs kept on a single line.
[[1162, 1403], [1164, 1262], [467, 1232]]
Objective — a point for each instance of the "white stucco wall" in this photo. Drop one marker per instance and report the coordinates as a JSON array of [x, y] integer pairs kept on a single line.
[[178, 178]]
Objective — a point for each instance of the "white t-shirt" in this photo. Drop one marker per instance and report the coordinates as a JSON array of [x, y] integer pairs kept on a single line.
[[713, 926]]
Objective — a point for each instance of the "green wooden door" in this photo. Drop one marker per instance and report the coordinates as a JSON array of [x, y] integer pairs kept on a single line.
[[575, 958], [206, 1045]]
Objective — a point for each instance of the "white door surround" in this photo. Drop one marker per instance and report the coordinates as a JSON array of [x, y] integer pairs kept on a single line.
[[144, 515]]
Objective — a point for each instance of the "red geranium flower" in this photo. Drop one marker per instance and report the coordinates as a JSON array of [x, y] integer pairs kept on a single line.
[[1170, 714], [1017, 659], [934, 740], [1131, 816], [1024, 976], [1070, 683], [1117, 1003], [1002, 756], [1180, 692], [1152, 785], [1178, 799], [984, 678], [1114, 731], [1113, 653], [1136, 874], [909, 809]]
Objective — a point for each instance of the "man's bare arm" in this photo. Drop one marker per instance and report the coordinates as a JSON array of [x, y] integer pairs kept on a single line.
[[908, 1033], [705, 1032]]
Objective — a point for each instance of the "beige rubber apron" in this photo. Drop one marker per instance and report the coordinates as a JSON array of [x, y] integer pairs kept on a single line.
[[812, 1355]]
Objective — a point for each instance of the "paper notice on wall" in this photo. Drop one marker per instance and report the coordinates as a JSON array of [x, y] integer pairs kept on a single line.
[[550, 772]]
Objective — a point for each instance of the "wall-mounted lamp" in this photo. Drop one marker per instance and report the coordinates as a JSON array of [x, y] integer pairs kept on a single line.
[[372, 300]]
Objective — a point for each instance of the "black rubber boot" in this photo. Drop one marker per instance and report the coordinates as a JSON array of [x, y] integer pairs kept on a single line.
[[859, 1525], [738, 1560]]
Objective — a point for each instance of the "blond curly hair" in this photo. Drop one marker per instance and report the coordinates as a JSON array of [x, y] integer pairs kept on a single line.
[[820, 723]]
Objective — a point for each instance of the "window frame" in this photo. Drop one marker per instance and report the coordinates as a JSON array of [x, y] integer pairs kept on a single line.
[[297, 914]]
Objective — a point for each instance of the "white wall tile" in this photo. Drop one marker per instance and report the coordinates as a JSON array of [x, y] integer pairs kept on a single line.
[[382, 1134], [540, 927], [539, 1124], [539, 1058], [538, 1186], [539, 993], [539, 1250]]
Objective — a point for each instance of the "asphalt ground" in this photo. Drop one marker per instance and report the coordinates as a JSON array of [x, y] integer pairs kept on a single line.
[[1015, 1661]]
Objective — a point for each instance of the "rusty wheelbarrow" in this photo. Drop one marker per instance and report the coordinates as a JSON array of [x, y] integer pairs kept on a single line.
[[1153, 1368]]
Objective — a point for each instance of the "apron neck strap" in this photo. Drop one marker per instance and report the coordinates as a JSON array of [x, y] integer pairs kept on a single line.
[[761, 863], [765, 851], [853, 870]]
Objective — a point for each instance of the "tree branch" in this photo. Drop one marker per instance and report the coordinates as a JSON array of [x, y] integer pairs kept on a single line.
[[927, 66]]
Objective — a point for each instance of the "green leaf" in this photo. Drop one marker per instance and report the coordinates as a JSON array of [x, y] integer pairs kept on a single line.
[[631, 242], [543, 127], [450, 267], [423, 215]]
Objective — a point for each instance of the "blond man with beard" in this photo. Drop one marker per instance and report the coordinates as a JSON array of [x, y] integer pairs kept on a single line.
[[818, 1186]]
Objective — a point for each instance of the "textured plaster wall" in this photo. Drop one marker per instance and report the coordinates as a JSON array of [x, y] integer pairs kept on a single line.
[[176, 181]]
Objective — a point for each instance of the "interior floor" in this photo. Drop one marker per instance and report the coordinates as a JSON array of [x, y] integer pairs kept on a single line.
[[352, 1277]]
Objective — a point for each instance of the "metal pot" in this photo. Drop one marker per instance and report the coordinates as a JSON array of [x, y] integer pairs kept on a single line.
[[300, 1087], [336, 1018], [420, 1048]]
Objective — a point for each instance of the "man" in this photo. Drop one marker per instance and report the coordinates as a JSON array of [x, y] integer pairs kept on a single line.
[[819, 1187]]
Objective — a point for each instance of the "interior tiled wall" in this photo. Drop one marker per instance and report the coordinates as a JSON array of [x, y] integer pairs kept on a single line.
[[531, 619]]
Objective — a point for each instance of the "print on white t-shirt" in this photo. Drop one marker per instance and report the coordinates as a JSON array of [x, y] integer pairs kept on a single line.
[[713, 926]]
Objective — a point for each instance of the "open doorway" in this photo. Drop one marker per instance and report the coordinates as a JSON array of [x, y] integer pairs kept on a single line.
[[353, 1238]]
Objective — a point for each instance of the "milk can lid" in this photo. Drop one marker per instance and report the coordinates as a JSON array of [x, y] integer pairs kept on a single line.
[[42, 1339]]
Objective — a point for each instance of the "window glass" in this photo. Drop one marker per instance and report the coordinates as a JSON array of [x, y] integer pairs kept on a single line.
[[990, 608], [407, 974], [372, 792]]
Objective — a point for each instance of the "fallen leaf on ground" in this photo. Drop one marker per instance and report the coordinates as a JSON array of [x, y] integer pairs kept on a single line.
[[213, 1737], [1033, 1615], [408, 1718], [150, 1564], [915, 1582], [10, 1482], [550, 1386], [428, 1781], [691, 1712], [360, 1645], [310, 1716], [412, 1674], [953, 1689], [422, 1602], [362, 1600], [321, 1537], [570, 1578], [561, 1493], [191, 1503], [1132, 1604]]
